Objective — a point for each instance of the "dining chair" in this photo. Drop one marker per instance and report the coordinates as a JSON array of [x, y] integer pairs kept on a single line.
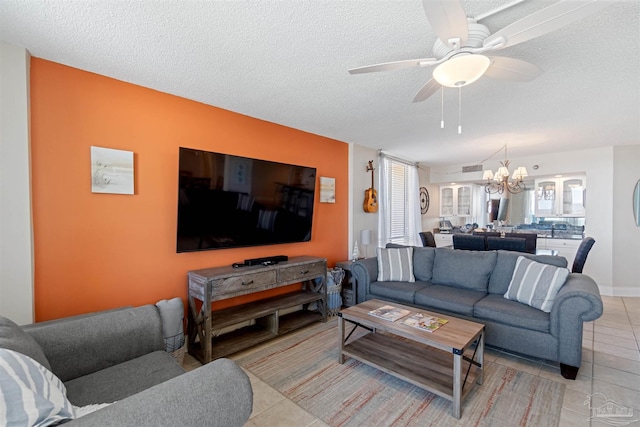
[[427, 239], [468, 242], [486, 234], [581, 255], [531, 240], [515, 244]]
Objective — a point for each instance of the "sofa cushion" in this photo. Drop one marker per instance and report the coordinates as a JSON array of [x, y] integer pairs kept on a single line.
[[506, 262], [423, 263], [123, 379], [536, 284], [463, 269], [13, 337], [396, 291], [395, 264], [447, 298], [512, 313], [30, 394]]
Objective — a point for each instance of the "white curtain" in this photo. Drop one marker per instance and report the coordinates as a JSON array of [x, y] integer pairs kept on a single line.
[[399, 202]]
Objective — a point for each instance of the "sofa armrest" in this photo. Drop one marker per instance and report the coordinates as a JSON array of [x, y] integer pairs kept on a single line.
[[80, 345], [216, 394], [578, 301], [364, 272]]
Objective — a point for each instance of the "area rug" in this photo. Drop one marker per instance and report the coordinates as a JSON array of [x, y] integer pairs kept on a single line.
[[304, 367]]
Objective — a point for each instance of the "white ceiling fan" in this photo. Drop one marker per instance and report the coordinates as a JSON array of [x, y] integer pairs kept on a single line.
[[461, 42]]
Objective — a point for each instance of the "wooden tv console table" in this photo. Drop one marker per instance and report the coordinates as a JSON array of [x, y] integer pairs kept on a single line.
[[265, 316]]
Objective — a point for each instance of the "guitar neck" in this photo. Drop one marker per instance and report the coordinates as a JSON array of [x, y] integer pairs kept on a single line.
[[371, 168]]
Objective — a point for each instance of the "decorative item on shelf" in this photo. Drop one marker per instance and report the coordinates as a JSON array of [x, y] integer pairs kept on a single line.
[[356, 253], [501, 178], [370, 195], [365, 240], [424, 200]]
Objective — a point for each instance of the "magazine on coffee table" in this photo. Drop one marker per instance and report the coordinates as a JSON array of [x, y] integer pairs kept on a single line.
[[389, 312], [424, 322]]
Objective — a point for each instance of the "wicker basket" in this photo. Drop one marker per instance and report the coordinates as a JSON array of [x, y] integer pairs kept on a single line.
[[173, 343], [178, 355], [334, 288], [334, 299]]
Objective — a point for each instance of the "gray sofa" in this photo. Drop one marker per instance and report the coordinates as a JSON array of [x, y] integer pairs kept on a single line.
[[471, 285], [118, 356]]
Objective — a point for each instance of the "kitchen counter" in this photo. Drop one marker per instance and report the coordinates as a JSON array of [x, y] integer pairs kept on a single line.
[[541, 234]]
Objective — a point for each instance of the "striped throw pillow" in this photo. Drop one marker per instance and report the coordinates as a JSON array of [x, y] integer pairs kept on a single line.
[[395, 264], [30, 394], [536, 284]]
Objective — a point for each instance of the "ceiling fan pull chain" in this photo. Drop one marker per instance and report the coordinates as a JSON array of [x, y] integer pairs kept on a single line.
[[442, 108], [459, 110]]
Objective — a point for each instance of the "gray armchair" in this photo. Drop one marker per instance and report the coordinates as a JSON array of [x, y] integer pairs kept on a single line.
[[118, 356]]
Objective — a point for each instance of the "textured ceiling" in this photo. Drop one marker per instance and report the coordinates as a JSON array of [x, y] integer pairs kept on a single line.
[[286, 62]]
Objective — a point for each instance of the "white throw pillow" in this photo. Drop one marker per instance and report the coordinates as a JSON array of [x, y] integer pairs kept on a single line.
[[536, 284], [30, 394], [395, 264]]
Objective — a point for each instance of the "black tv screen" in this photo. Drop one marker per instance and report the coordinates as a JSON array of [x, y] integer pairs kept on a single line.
[[227, 201]]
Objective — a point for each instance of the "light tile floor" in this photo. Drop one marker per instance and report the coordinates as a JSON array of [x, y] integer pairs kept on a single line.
[[610, 371]]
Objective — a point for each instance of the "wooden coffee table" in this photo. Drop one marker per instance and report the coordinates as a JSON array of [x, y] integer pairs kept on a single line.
[[435, 361]]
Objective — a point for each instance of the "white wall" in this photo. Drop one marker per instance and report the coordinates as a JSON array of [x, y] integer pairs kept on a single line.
[[626, 235], [16, 239], [361, 181], [604, 200], [430, 220]]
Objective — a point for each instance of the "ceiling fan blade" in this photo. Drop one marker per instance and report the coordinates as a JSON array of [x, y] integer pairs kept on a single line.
[[512, 69], [447, 19], [396, 65], [544, 21], [427, 90]]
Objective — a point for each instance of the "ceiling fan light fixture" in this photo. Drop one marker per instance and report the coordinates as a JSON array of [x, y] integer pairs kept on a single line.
[[461, 70]]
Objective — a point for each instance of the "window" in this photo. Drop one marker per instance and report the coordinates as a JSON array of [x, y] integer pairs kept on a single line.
[[399, 218]]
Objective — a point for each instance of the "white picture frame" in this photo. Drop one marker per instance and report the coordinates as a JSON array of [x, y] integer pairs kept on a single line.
[[111, 171], [327, 190]]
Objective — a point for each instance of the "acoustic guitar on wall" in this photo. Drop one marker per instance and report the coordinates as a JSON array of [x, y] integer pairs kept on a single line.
[[370, 195]]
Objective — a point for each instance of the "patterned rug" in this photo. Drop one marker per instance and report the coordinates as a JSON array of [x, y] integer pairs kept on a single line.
[[304, 367]]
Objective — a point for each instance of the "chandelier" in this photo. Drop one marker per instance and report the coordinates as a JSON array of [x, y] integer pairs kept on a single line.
[[501, 182]]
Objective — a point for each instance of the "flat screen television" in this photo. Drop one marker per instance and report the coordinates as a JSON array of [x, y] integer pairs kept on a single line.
[[227, 201]]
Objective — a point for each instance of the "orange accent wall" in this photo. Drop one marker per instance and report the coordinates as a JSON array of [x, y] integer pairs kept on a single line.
[[99, 251]]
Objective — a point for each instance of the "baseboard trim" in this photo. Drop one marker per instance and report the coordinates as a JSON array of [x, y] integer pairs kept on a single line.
[[620, 291]]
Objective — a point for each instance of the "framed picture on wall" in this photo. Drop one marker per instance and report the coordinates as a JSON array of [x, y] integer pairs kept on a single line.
[[111, 171], [327, 190]]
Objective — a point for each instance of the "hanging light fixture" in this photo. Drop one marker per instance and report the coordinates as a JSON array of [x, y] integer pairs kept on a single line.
[[459, 71], [501, 180]]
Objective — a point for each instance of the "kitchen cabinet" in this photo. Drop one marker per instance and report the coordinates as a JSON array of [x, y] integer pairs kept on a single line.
[[443, 239], [456, 200], [561, 197]]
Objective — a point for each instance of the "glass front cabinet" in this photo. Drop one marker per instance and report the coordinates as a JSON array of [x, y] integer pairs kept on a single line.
[[561, 197], [456, 200]]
